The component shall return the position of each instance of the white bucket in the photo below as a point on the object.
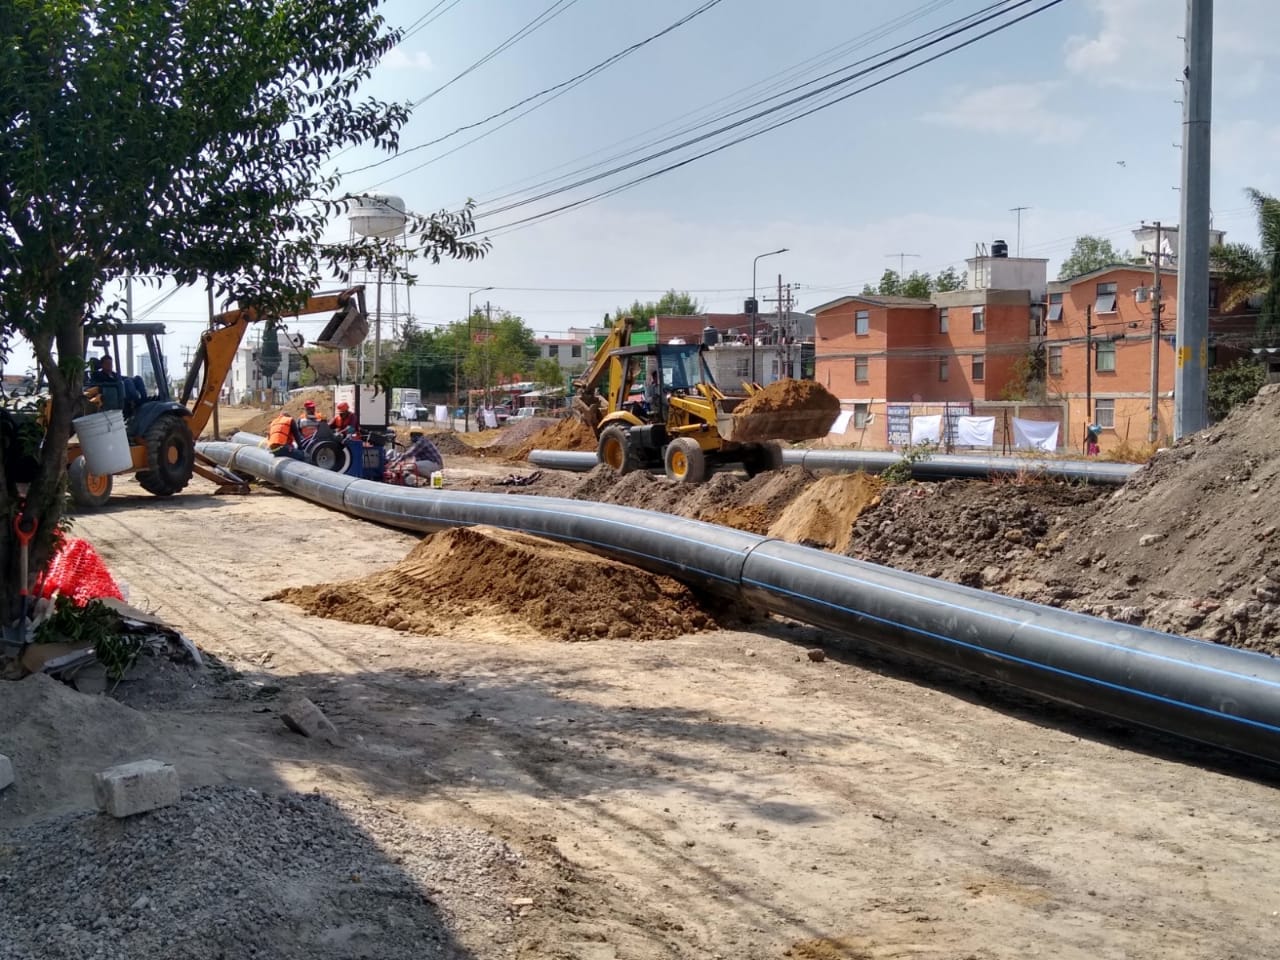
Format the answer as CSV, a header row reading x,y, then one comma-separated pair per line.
x,y
103,442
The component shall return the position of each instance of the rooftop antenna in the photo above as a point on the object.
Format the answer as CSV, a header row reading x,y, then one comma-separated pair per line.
x,y
1018,211
902,262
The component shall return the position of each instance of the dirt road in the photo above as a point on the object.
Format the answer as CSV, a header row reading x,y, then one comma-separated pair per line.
x,y
719,795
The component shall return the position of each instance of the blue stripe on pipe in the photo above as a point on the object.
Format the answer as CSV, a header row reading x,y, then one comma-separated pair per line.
x,y
1050,630
1016,659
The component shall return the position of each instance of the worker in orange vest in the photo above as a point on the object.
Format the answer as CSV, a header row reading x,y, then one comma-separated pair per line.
x,y
284,438
344,421
310,421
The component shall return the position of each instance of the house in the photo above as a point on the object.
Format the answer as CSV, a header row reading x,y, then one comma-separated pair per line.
x,y
783,344
569,352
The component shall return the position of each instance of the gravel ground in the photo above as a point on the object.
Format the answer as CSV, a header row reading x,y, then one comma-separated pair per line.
x,y
233,872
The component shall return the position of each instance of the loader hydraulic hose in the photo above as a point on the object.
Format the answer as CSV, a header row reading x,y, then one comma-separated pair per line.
x,y
1213,694
936,467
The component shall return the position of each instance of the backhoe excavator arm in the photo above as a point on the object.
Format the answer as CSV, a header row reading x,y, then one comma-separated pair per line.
x,y
218,345
603,367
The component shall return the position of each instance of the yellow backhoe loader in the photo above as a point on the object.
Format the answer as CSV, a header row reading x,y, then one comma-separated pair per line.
x,y
161,429
679,420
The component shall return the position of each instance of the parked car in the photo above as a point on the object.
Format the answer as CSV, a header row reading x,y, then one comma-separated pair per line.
x,y
525,413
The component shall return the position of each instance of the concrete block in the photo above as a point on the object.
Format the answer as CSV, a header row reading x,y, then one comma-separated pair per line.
x,y
6,771
136,787
304,717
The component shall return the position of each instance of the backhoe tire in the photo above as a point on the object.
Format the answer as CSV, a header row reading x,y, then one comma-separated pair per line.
x,y
329,455
89,491
171,456
684,461
759,458
615,449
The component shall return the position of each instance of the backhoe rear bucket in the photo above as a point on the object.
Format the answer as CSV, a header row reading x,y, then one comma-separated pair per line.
x,y
346,329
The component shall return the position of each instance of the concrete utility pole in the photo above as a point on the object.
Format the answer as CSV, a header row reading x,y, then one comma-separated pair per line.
x,y
128,314
1018,211
1153,433
1088,370
1191,382
217,433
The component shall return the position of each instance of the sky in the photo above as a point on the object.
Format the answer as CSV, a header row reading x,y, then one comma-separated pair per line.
x,y
1073,114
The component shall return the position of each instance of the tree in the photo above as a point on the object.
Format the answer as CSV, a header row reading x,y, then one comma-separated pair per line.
x,y
181,139
269,352
918,285
548,372
948,280
1233,385
499,348
670,304
1248,272
1089,253
890,284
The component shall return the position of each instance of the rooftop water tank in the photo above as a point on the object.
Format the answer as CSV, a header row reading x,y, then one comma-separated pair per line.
x,y
999,249
710,336
377,215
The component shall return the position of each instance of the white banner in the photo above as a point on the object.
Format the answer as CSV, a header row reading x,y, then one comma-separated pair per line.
x,y
926,429
976,431
1035,435
842,422
442,413
490,418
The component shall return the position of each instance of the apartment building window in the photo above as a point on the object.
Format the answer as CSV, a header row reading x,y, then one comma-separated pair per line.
x,y
979,320
773,368
979,368
944,368
553,350
1106,362
575,351
943,319
861,369
861,414
742,367
1106,301
862,323
1104,413
1055,361
1055,308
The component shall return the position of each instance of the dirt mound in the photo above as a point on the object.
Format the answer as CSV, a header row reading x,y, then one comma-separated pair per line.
x,y
567,434
787,395
824,514
57,737
557,591
1192,543
448,442
970,531
323,397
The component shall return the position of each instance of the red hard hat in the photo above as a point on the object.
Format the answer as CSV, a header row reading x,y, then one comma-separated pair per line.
x,y
309,405
343,406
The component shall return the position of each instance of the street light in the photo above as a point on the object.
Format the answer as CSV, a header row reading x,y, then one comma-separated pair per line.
x,y
466,424
755,305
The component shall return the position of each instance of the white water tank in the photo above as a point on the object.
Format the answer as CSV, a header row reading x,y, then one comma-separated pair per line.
x,y
377,215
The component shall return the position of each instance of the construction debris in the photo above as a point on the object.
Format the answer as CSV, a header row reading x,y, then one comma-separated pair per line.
x,y
133,788
304,717
6,772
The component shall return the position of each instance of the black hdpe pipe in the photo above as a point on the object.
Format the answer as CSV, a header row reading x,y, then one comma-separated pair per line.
x,y
935,467
1202,691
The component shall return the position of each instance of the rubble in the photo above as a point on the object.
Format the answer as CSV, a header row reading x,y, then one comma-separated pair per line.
x,y
304,717
132,788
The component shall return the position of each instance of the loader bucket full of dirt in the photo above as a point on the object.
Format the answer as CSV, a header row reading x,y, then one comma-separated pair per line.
x,y
346,329
784,410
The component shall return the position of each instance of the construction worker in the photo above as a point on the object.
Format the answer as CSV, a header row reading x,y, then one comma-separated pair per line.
x,y
344,421
284,438
310,421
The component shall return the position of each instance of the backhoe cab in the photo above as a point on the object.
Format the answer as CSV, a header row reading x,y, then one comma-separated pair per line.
x,y
162,429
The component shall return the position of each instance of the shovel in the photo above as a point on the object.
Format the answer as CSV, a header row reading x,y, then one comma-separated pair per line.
x,y
24,527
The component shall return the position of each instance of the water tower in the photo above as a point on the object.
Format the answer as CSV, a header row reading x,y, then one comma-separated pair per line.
x,y
381,216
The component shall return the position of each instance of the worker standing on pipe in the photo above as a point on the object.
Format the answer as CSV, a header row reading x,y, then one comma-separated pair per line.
x,y
344,421
284,438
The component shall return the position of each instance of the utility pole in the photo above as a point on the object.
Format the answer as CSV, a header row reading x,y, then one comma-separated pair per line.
x,y
1153,433
902,264
1018,211
128,313
1190,386
377,325
217,435
1088,369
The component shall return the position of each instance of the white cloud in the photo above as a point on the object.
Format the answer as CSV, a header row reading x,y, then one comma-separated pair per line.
x,y
1017,109
1137,47
397,59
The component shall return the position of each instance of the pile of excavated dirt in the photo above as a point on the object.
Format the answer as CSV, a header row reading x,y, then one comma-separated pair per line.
x,y
567,434
1192,543
52,734
449,443
973,532
825,513
233,872
787,395
557,591
323,397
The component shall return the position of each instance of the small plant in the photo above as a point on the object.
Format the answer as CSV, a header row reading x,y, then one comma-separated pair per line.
x,y
901,471
95,624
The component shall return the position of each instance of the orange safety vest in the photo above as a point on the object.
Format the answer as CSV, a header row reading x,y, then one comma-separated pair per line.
x,y
308,426
280,433
343,420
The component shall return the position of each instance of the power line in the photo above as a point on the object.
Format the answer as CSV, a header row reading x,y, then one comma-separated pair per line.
x,y
772,126
423,22
564,87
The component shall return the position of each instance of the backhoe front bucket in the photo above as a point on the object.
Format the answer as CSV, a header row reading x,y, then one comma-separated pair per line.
x,y
346,329
776,425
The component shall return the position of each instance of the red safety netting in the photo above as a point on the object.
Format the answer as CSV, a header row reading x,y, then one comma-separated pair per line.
x,y
76,571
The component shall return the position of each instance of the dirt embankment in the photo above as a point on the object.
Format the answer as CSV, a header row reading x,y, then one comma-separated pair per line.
x,y
555,591
323,397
